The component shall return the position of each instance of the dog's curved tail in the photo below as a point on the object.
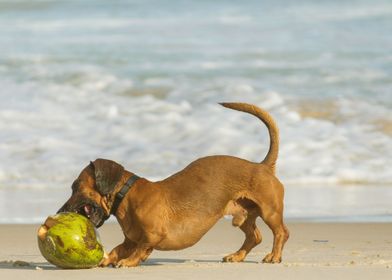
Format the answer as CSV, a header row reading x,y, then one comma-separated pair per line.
x,y
266,118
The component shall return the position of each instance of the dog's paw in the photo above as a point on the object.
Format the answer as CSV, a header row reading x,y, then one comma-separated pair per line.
x,y
271,258
127,263
107,262
235,257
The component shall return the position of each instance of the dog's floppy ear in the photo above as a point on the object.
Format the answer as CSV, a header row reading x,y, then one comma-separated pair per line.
x,y
107,174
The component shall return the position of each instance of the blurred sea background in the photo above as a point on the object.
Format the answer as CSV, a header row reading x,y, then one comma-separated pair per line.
x,y
138,82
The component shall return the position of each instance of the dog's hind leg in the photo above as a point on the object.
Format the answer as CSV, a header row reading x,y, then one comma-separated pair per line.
x,y
274,219
252,238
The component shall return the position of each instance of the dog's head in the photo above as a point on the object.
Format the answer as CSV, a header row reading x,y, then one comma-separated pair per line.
x,y
92,188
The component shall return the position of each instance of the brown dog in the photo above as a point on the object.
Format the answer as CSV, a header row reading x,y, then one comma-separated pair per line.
x,y
175,213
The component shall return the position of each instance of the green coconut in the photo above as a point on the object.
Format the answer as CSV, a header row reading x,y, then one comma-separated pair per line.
x,y
70,240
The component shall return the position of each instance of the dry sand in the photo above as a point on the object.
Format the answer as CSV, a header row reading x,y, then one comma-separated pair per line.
x,y
314,251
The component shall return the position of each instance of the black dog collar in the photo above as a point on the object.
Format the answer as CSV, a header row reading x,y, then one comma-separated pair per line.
x,y
121,194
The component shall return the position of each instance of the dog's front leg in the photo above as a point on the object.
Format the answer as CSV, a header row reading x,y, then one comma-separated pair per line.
x,y
139,254
118,253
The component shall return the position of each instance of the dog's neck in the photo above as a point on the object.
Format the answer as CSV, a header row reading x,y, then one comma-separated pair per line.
x,y
119,195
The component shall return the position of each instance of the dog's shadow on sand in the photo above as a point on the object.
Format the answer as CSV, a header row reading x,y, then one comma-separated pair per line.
x,y
23,265
166,261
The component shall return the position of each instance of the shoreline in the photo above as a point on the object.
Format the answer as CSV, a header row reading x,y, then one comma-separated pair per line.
x,y
314,250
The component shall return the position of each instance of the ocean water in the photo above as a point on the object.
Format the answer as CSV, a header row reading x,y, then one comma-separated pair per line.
x,y
139,82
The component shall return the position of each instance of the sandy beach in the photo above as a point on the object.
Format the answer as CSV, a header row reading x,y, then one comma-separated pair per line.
x,y
314,251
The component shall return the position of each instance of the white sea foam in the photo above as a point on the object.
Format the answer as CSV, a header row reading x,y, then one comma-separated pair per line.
x,y
50,133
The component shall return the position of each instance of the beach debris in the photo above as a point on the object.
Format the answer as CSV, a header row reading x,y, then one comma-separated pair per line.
x,y
70,240
320,240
